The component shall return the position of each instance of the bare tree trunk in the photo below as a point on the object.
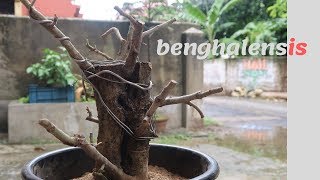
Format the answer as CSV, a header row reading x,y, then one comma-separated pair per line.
x,y
129,104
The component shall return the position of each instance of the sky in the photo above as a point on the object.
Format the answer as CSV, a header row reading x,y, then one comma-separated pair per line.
x,y
102,9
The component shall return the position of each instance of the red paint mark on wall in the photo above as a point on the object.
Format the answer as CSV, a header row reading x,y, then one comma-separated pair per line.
x,y
256,64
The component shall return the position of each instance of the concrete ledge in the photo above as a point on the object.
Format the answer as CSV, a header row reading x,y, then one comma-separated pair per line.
x,y
70,117
23,120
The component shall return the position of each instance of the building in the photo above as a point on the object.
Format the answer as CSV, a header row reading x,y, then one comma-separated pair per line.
x,y
62,8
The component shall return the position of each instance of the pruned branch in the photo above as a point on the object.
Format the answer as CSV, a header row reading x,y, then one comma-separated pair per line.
x,y
123,42
160,99
94,49
58,133
158,27
134,42
124,14
187,98
115,31
111,170
52,28
90,117
123,53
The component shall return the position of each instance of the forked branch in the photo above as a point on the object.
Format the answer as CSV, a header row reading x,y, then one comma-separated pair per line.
x,y
160,99
111,170
50,25
190,97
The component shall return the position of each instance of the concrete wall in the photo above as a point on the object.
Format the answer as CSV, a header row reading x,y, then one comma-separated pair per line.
x,y
214,73
23,120
267,73
23,124
22,41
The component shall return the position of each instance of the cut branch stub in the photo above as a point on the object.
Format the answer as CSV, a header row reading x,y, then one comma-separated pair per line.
x,y
134,42
158,27
115,31
90,117
135,46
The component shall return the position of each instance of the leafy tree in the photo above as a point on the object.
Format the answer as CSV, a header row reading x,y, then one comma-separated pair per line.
x,y
278,12
270,30
210,20
244,12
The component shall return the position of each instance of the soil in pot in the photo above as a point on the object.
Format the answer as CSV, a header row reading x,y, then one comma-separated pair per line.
x,y
159,173
154,173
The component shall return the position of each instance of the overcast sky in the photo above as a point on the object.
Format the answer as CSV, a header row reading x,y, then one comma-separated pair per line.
x,y
102,9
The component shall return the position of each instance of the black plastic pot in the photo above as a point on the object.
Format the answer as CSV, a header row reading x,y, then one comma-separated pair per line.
x,y
73,162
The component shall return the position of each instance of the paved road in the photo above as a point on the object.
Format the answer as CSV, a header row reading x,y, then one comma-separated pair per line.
x,y
246,113
235,165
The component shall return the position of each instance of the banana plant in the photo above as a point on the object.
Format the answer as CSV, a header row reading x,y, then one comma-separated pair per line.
x,y
209,21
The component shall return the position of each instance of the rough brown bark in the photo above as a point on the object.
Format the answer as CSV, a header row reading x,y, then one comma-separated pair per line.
x,y
129,104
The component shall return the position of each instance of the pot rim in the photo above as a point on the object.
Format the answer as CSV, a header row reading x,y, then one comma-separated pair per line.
x,y
212,171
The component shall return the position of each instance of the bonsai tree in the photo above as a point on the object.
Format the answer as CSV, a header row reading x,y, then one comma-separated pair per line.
x,y
122,92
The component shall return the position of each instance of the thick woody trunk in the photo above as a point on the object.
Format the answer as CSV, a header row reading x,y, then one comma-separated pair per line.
x,y
129,104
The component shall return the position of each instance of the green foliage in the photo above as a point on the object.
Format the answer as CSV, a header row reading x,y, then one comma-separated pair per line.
x,y
278,10
244,12
266,31
257,32
54,69
24,100
210,20
207,121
